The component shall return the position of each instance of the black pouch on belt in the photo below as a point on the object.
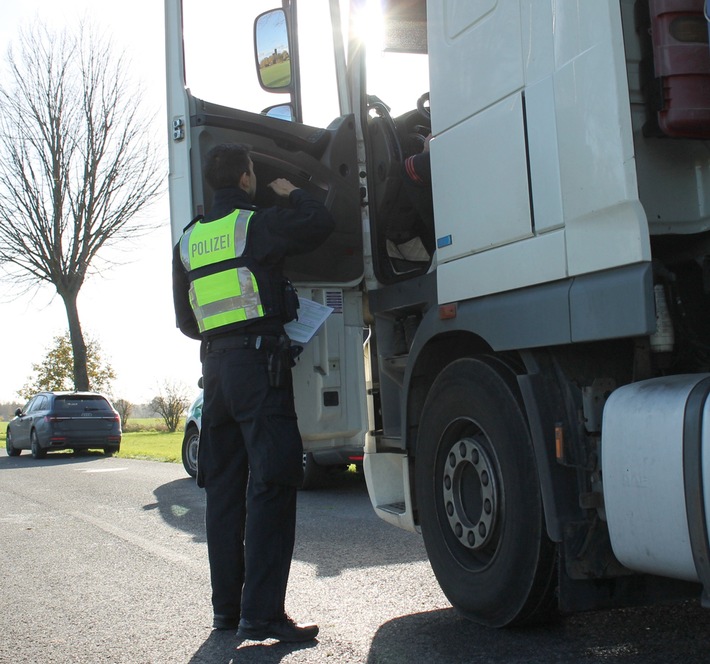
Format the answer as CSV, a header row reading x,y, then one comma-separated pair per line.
x,y
280,360
290,301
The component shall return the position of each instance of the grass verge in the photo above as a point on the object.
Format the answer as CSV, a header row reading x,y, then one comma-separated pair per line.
x,y
154,445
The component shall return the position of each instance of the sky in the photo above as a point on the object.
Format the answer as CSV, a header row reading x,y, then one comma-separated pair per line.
x,y
128,308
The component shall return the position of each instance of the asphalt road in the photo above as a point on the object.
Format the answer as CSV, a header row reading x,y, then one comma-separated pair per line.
x,y
104,561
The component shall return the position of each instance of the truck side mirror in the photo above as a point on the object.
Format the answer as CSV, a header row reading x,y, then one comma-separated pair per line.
x,y
273,51
281,112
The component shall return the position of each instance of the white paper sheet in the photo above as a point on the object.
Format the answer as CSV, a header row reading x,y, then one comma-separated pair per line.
x,y
311,315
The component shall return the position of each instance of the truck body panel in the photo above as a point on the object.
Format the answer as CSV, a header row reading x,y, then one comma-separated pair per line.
x,y
568,259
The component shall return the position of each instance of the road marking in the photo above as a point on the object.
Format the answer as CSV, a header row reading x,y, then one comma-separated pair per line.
x,y
100,470
198,566
140,541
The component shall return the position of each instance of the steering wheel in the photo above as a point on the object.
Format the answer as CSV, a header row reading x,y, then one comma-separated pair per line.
x,y
383,112
424,108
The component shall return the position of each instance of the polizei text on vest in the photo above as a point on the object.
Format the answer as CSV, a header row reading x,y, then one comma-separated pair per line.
x,y
209,245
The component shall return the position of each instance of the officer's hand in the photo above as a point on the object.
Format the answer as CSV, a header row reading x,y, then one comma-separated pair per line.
x,y
281,187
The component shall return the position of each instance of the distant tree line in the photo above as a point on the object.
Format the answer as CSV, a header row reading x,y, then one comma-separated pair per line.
x,y
54,373
135,411
7,410
274,59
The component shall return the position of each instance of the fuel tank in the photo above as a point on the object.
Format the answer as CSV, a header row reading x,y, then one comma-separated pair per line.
x,y
656,475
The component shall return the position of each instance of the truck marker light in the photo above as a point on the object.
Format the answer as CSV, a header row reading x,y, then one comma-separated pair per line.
x,y
447,311
559,443
445,241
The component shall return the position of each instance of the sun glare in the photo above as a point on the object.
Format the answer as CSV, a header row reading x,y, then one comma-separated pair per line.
x,y
368,27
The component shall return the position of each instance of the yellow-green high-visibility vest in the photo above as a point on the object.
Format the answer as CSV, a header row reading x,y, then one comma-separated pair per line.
x,y
223,291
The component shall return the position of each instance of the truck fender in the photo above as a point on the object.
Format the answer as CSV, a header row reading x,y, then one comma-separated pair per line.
x,y
543,402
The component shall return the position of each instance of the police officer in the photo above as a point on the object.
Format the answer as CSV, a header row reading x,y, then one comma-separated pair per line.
x,y
229,291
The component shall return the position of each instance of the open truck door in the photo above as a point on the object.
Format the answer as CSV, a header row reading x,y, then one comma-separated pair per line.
x,y
248,89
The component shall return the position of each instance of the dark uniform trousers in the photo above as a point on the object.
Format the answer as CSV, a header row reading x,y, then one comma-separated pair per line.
x,y
250,464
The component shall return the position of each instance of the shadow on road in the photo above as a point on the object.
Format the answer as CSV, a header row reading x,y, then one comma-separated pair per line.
x,y
181,505
330,533
648,635
338,529
226,648
58,458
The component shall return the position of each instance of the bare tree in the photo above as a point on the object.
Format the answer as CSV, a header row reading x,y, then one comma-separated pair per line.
x,y
124,409
170,404
76,164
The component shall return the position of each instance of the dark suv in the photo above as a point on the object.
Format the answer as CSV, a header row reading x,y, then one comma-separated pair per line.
x,y
64,420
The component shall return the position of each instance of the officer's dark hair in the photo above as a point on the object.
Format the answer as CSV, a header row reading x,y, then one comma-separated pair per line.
x,y
225,164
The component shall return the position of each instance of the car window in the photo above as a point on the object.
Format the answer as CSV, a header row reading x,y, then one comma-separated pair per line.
x,y
31,405
40,403
72,404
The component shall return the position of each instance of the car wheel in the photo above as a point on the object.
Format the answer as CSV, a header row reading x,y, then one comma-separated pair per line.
x,y
478,497
110,451
38,452
313,474
9,448
190,446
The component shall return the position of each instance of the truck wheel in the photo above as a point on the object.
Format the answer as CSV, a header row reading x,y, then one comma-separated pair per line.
x,y
479,499
190,445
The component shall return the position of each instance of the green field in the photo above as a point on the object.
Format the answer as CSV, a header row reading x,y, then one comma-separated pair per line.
x,y
276,76
146,438
154,445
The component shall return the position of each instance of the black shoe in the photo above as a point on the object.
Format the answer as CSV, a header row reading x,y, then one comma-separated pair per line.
x,y
285,630
222,621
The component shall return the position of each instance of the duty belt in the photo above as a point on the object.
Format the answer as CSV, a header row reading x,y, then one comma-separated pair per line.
x,y
252,341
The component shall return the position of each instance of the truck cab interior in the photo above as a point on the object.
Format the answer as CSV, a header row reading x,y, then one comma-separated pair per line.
x,y
401,211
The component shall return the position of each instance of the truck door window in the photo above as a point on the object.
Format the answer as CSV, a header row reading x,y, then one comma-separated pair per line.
x,y
397,61
220,64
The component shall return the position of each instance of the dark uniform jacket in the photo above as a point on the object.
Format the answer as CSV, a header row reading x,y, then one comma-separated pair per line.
x,y
274,233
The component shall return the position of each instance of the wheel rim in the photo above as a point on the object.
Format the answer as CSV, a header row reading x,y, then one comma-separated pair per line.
x,y
471,492
192,447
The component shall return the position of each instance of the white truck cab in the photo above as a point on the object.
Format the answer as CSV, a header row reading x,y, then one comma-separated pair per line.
x,y
533,384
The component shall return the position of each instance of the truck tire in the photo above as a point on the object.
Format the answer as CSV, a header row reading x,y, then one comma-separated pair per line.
x,y
479,499
190,445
